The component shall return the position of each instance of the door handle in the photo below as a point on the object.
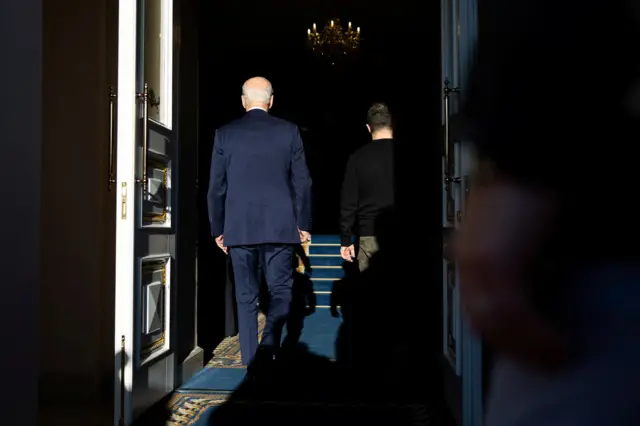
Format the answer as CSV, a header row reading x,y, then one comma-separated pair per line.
x,y
112,135
144,98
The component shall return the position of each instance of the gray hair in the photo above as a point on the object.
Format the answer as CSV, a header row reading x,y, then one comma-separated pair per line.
x,y
256,95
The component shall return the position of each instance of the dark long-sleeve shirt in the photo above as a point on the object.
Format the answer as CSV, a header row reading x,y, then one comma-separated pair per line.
x,y
367,189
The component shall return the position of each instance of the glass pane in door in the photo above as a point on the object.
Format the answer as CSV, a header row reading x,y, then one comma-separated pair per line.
x,y
158,59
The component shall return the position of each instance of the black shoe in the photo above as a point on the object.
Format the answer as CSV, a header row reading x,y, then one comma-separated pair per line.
x,y
262,361
264,354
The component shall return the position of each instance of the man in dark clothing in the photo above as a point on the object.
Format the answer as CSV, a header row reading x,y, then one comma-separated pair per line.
x,y
259,209
368,188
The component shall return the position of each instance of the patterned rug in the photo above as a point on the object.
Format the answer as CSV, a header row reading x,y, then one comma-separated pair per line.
x,y
227,354
201,407
193,409
186,408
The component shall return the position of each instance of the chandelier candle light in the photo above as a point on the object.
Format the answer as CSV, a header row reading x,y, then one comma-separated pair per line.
x,y
333,42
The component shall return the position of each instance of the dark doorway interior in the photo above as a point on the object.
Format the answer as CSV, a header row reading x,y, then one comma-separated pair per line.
x,y
399,63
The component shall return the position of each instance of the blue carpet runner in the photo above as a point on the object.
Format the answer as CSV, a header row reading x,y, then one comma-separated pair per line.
x,y
307,390
326,267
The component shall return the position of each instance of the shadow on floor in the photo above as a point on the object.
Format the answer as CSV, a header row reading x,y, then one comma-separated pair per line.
x,y
385,372
302,388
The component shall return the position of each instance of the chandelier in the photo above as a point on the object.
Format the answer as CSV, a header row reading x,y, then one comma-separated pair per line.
x,y
333,42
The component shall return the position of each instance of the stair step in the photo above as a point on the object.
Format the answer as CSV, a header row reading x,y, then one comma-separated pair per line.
x,y
325,272
326,261
323,286
325,239
323,299
324,250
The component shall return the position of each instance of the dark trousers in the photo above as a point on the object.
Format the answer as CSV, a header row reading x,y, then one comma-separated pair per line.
x,y
276,262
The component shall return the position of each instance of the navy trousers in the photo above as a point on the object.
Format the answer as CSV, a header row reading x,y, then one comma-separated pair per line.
x,y
276,262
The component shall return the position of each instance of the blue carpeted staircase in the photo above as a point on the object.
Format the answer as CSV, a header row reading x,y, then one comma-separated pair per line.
x,y
326,267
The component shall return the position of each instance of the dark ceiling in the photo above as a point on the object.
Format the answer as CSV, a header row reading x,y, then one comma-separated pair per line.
x,y
398,63
242,39
261,22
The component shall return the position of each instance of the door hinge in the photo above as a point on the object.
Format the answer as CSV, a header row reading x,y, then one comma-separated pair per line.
x,y
123,201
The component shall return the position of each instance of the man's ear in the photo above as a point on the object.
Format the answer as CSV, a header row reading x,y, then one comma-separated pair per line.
x,y
271,102
368,128
244,104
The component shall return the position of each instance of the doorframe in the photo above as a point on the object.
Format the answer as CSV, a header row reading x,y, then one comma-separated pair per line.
x,y
184,127
472,361
125,189
190,356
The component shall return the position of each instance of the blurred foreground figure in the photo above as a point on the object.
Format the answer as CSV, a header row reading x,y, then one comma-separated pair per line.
x,y
549,261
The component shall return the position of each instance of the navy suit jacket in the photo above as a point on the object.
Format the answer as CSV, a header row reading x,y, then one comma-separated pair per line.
x,y
260,188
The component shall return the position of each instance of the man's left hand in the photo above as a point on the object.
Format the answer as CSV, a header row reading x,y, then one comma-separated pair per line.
x,y
220,243
348,253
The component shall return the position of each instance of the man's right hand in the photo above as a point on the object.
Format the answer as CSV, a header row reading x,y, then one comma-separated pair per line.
x,y
220,243
348,253
304,236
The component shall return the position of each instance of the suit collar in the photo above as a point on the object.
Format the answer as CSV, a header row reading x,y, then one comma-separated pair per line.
x,y
256,111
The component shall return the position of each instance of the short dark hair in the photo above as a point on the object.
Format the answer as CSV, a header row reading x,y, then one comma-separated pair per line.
x,y
379,117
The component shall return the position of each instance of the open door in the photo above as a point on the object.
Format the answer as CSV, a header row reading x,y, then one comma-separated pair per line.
x,y
146,153
452,209
461,347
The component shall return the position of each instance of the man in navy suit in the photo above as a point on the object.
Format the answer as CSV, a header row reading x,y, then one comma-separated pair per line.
x,y
260,209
